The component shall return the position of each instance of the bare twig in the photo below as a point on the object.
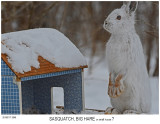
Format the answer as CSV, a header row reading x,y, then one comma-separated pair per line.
x,y
63,17
96,110
30,15
44,12
152,33
156,3
62,107
16,15
146,23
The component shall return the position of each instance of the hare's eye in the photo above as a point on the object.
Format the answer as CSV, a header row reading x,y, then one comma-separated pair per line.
x,y
118,17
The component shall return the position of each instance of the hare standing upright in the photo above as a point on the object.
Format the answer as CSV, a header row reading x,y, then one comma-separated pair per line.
x,y
129,87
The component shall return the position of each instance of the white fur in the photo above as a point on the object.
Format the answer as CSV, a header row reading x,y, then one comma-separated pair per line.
x,y
125,56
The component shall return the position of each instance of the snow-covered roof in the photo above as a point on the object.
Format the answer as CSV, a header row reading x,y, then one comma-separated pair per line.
x,y
24,50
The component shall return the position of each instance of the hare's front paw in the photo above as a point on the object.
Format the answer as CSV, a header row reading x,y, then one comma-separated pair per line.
x,y
110,110
117,88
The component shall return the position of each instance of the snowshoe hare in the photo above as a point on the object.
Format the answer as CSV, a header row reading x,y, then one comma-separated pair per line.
x,y
129,87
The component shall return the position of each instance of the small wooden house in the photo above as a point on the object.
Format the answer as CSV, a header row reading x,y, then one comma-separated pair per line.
x,y
21,91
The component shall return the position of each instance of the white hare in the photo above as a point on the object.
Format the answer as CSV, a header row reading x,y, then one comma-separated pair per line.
x,y
129,87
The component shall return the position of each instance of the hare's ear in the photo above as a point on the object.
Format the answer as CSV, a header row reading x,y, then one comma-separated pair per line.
x,y
133,6
130,6
126,2
125,6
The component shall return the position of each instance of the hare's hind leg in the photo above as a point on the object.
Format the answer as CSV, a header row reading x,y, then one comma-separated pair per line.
x,y
131,112
111,110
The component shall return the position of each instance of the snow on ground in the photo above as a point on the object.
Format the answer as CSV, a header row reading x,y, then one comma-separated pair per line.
x,y
24,47
95,88
155,95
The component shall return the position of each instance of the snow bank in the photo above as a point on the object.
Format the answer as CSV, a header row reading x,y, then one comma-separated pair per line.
x,y
24,47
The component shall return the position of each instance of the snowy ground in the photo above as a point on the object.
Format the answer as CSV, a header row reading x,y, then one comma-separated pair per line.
x,y
96,96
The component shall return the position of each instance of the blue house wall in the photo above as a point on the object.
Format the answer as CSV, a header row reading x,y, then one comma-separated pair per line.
x,y
36,91
9,91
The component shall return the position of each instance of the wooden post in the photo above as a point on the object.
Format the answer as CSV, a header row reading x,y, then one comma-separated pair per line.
x,y
83,97
17,81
